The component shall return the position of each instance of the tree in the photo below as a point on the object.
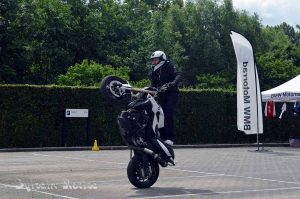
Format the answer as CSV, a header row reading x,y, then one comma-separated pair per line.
x,y
10,69
39,32
40,40
274,71
90,73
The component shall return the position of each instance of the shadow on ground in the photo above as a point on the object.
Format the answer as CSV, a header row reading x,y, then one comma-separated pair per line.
x,y
270,152
163,191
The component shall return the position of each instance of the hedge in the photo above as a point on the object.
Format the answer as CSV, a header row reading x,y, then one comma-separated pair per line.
x,y
34,116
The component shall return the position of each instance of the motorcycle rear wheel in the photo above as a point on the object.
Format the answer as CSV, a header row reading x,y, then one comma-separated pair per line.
x,y
142,179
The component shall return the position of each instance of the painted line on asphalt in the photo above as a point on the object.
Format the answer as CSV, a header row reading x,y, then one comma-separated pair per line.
x,y
222,192
184,170
39,154
192,171
81,182
75,158
125,179
21,187
228,175
11,163
294,159
203,176
165,177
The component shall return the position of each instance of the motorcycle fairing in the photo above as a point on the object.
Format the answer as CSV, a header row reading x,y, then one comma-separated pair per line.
x,y
158,116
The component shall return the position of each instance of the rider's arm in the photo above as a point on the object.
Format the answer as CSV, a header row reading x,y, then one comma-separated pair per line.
x,y
153,83
175,74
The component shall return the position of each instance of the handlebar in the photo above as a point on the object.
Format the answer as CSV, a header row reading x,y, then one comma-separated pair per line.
x,y
143,91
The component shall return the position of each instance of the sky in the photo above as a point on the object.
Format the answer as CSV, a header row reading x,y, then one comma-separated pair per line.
x,y
272,12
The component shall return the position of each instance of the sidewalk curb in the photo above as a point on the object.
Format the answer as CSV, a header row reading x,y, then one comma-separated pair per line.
x,y
85,148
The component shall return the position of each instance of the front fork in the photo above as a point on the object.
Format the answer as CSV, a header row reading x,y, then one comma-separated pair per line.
x,y
145,162
131,154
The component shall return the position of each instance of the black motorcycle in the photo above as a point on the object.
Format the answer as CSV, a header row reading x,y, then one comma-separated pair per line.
x,y
140,128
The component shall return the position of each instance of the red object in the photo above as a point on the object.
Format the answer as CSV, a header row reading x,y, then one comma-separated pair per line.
x,y
270,109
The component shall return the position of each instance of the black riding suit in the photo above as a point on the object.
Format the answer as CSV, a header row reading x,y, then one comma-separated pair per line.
x,y
167,73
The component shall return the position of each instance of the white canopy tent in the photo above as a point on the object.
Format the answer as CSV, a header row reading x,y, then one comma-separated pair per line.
x,y
286,92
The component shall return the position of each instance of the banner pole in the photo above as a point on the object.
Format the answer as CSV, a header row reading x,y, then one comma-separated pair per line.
x,y
257,135
257,114
257,141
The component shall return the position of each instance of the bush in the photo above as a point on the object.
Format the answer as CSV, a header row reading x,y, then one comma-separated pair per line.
x,y
141,84
90,73
33,116
217,81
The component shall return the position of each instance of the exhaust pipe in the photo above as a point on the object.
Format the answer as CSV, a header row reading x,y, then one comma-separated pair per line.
x,y
150,152
154,155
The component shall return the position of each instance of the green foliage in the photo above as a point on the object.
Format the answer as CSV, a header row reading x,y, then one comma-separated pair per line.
x,y
279,62
202,116
50,41
274,71
142,83
215,81
41,121
40,40
90,73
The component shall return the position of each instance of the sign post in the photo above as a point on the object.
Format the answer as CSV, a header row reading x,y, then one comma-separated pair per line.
x,y
77,113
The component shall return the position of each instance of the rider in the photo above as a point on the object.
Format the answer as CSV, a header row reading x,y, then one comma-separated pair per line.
x,y
165,78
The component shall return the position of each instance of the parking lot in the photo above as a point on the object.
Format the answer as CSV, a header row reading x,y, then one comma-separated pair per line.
x,y
199,173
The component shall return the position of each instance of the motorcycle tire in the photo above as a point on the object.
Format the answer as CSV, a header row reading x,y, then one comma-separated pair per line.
x,y
111,94
134,172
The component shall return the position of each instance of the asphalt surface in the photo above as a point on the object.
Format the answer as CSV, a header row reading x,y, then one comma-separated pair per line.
x,y
199,173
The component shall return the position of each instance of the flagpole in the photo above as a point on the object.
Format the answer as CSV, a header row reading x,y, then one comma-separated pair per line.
x,y
257,113
243,50
257,140
257,135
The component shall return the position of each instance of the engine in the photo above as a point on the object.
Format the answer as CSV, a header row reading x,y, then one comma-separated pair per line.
x,y
132,124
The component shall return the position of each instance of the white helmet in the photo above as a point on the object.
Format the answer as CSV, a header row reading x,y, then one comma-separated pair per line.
x,y
162,57
159,54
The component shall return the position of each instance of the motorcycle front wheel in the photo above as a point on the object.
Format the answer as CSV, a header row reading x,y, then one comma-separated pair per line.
x,y
110,88
142,175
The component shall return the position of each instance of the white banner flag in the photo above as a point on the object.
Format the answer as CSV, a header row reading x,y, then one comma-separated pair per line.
x,y
249,110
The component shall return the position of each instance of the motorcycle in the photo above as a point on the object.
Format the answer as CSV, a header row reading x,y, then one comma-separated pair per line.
x,y
140,128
